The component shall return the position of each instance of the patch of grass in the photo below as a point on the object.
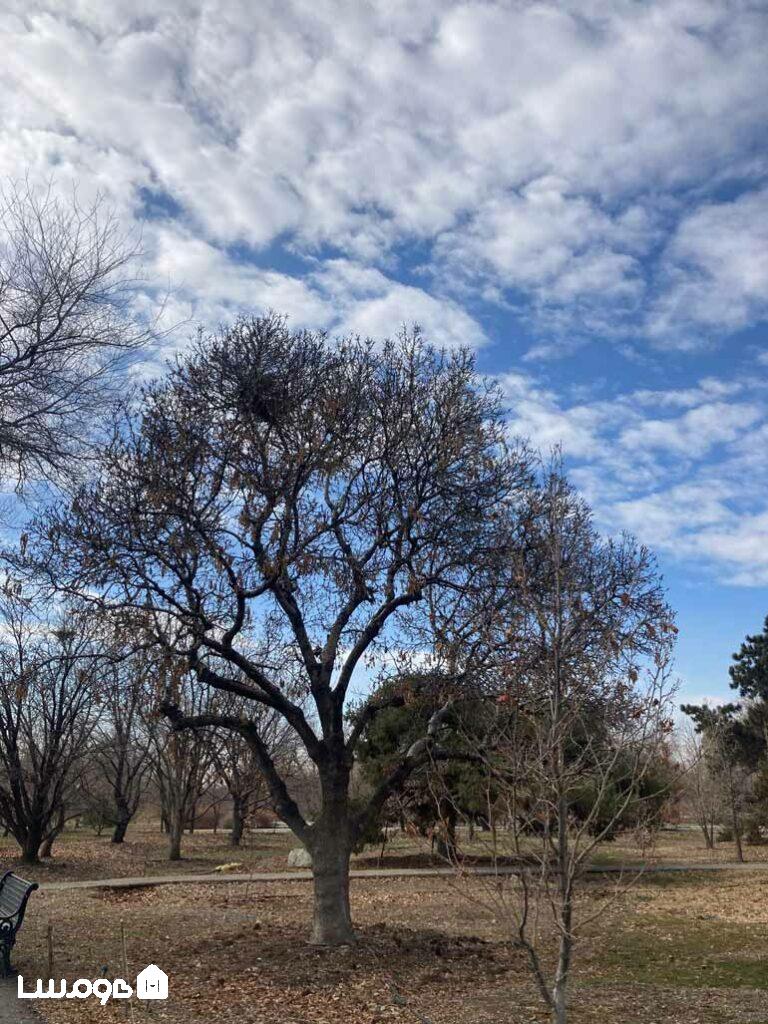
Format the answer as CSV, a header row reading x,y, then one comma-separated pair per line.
x,y
692,953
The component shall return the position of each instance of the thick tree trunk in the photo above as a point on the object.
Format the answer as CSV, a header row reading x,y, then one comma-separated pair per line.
x,y
175,832
30,847
123,820
120,829
332,920
238,821
46,846
739,848
331,847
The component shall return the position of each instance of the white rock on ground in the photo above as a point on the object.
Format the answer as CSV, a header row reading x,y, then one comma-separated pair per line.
x,y
298,857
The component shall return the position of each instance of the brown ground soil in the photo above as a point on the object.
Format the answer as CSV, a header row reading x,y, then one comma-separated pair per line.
x,y
688,948
676,948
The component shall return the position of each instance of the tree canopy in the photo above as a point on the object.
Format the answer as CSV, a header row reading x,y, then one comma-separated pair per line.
x,y
282,508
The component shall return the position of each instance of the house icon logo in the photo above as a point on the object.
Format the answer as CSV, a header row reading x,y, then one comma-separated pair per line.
x,y
152,983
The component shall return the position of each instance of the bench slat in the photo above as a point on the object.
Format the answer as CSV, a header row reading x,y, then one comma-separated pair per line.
x,y
13,892
14,896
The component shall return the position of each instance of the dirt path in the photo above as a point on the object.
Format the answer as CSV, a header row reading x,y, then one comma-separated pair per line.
x,y
306,876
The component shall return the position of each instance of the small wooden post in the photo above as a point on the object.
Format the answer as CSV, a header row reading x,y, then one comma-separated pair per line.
x,y
49,939
125,960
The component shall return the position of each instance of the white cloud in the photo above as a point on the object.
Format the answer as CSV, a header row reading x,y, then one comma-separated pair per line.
x,y
536,414
716,270
543,150
695,432
565,160
366,302
208,287
686,470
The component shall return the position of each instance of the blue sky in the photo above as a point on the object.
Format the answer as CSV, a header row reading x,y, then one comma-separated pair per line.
x,y
577,190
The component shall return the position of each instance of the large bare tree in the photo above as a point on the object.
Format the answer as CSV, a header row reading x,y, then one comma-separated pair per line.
x,y
65,324
285,504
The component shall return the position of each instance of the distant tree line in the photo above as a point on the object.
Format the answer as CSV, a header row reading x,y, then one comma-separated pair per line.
x,y
727,754
81,740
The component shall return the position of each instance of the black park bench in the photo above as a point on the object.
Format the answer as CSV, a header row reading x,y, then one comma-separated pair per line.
x,y
14,893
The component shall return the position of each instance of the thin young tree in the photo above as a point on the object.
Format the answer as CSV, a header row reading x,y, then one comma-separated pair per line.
x,y
728,742
582,639
65,325
287,501
703,786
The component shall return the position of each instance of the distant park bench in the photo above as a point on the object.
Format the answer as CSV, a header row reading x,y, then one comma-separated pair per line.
x,y
14,893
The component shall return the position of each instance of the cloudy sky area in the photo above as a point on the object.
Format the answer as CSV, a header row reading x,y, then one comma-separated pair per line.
x,y
578,190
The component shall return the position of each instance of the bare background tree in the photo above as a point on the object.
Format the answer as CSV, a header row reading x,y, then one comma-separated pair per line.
x,y
122,742
237,767
48,711
722,733
703,785
65,326
182,762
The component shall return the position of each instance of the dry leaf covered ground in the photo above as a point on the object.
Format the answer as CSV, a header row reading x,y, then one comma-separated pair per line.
x,y
684,948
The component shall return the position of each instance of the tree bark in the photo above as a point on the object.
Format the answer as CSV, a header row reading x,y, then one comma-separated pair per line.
x,y
735,819
739,847
121,826
238,821
46,846
175,832
30,847
560,988
330,844
332,919
709,839
120,829
565,951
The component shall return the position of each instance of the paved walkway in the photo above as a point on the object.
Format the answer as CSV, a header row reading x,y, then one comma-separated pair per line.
x,y
12,1009
306,876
